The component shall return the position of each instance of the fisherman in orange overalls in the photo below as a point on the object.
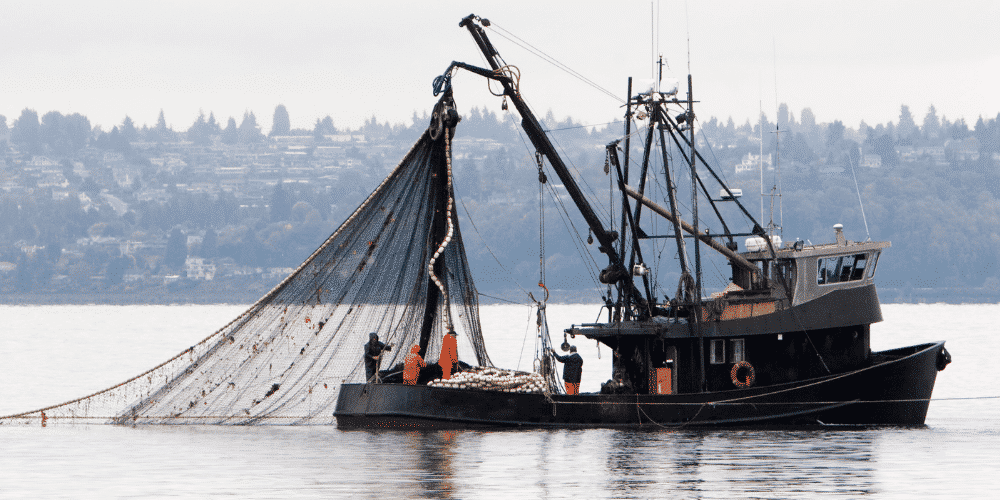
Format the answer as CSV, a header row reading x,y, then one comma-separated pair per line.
x,y
572,371
412,365
449,354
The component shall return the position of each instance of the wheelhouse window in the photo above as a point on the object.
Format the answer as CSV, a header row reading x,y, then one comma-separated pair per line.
x,y
871,268
785,270
736,351
830,270
717,352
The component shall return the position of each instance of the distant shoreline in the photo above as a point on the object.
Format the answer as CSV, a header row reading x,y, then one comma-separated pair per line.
x,y
233,297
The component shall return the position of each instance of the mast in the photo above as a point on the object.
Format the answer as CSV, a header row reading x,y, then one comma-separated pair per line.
x,y
696,312
625,204
760,160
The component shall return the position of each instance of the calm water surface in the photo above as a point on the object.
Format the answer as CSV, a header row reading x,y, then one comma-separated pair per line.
x,y
49,354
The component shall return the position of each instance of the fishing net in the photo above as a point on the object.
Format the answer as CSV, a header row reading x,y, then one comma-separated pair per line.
x,y
396,266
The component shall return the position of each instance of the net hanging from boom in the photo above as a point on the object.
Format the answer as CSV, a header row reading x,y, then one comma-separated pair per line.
x,y
397,267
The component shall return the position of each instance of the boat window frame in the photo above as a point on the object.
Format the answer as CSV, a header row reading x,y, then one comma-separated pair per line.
x,y
844,271
871,268
717,351
737,346
855,276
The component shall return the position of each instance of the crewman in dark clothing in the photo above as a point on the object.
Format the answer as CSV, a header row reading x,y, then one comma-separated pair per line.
x,y
572,370
373,354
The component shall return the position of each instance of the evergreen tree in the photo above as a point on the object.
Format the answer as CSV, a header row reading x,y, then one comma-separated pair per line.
x,y
161,133
249,131
115,140
64,135
958,129
161,122
982,133
807,119
932,128
231,135
281,123
78,131
26,132
128,131
907,128
318,131
834,134
783,116
51,131
199,132
213,126
323,127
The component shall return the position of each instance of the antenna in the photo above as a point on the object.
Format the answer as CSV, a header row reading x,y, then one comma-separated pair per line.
x,y
777,144
856,188
658,39
687,26
760,159
652,42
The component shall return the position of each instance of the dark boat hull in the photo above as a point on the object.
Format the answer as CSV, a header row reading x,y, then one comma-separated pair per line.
x,y
895,390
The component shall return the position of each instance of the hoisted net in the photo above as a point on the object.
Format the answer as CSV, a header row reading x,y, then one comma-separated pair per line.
x,y
283,360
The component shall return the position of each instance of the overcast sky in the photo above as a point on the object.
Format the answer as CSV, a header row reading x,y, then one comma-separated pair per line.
x,y
847,60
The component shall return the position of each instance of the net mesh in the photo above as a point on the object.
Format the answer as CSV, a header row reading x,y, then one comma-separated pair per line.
x,y
282,361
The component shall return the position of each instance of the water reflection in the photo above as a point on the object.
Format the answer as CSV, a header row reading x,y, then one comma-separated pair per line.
x,y
621,463
740,463
435,453
628,471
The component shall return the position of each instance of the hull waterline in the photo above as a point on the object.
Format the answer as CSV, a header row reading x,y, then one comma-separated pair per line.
x,y
895,390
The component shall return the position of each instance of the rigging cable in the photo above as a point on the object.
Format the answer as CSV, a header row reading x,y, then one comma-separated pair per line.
x,y
488,249
580,126
858,189
579,175
567,221
541,220
551,60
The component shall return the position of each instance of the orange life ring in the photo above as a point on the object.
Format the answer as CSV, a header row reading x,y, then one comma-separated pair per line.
x,y
748,381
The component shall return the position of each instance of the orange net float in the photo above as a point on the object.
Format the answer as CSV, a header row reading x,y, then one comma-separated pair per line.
x,y
734,374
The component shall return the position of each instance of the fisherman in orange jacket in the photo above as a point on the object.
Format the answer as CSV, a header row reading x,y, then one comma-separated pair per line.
x,y
449,354
412,365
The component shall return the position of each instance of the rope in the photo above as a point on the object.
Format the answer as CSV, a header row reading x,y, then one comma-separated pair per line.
x,y
500,299
447,238
731,402
510,71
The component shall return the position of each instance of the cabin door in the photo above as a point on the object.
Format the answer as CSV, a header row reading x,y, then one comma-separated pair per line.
x,y
663,376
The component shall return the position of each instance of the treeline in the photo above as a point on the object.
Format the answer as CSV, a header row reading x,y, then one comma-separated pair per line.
x,y
943,217
65,135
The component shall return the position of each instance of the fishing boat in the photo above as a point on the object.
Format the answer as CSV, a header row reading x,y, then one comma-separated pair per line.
x,y
787,342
